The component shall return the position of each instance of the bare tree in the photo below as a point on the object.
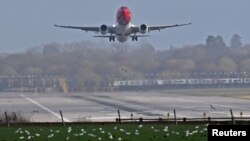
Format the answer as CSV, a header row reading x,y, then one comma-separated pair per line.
x,y
235,41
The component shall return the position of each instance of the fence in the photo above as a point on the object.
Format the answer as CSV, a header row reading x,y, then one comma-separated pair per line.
x,y
12,119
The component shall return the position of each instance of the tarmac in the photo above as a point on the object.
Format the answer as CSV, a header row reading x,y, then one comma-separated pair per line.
x,y
103,106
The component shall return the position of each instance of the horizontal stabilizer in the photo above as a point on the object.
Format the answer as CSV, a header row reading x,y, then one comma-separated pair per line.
x,y
104,36
140,35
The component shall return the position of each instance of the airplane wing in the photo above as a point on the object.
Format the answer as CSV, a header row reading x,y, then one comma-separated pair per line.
x,y
136,29
111,29
94,29
151,28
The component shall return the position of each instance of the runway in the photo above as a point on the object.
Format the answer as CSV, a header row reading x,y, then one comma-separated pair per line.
x,y
101,106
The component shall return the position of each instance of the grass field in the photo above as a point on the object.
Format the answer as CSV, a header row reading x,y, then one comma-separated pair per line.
x,y
111,132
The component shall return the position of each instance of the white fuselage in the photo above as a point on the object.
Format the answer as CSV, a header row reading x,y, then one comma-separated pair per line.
x,y
123,24
123,32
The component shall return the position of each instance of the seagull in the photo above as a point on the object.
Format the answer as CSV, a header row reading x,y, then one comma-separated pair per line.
x,y
212,107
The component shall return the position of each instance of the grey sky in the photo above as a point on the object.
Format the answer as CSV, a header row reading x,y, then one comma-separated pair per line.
x,y
27,23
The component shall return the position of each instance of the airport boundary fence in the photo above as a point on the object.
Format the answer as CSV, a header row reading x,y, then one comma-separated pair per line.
x,y
14,119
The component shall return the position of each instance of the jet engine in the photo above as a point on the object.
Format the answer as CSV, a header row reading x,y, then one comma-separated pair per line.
x,y
143,28
103,29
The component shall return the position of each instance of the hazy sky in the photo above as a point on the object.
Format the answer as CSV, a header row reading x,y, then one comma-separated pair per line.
x,y
27,23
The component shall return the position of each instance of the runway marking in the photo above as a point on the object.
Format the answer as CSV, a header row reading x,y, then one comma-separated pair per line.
x,y
176,99
214,104
133,106
45,108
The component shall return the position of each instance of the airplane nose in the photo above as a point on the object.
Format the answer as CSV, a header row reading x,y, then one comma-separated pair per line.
x,y
124,16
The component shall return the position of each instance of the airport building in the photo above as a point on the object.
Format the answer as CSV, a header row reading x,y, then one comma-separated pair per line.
x,y
43,84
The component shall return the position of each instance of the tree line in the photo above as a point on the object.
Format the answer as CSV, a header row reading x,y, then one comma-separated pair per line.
x,y
88,64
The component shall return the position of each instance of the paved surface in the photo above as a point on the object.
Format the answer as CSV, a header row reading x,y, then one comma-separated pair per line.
x,y
103,106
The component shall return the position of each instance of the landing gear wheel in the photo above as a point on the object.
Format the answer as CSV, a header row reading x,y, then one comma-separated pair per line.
x,y
112,38
134,38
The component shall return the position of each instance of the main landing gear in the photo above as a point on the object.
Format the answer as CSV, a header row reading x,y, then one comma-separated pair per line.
x,y
134,38
112,38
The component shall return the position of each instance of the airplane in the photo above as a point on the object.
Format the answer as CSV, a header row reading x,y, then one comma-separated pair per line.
x,y
123,29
